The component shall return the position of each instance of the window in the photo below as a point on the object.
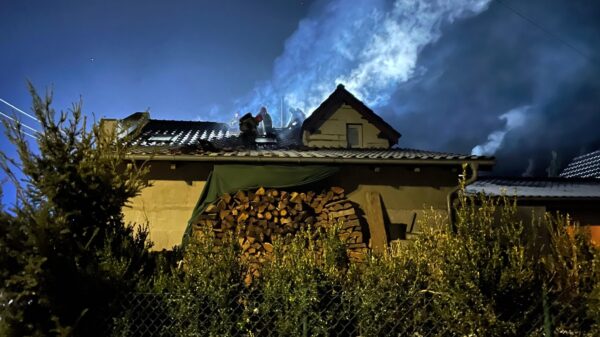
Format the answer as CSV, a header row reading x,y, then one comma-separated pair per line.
x,y
354,135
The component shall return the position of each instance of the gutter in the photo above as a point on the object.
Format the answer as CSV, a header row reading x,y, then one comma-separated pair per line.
x,y
475,170
474,163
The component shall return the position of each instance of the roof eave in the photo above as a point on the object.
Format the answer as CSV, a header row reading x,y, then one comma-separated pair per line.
x,y
483,163
540,198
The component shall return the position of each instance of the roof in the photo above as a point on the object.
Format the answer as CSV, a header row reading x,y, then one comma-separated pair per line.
x,y
585,166
305,155
342,96
214,142
171,133
522,187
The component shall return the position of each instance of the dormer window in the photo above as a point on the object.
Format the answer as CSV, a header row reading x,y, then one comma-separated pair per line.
x,y
354,135
343,121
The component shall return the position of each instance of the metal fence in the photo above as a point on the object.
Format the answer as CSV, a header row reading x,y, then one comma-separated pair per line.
x,y
329,313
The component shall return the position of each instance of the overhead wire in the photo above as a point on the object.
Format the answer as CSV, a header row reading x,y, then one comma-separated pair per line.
x,y
21,123
19,110
545,30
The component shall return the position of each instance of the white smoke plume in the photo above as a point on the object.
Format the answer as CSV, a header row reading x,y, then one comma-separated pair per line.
x,y
514,118
371,46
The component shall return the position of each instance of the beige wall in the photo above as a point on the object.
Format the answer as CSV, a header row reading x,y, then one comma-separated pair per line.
x,y
332,132
167,204
405,190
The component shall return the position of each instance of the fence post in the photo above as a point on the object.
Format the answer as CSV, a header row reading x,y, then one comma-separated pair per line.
x,y
546,308
304,327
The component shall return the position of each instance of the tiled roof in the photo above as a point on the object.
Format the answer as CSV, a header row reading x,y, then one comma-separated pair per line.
x,y
209,141
536,187
309,155
586,166
179,133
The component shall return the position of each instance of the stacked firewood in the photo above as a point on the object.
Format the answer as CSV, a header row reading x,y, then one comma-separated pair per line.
x,y
257,217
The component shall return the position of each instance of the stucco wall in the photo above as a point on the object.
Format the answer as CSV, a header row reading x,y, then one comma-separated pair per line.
x,y
332,132
406,191
167,204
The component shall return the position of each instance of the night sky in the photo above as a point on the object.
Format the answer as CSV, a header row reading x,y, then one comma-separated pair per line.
x,y
514,79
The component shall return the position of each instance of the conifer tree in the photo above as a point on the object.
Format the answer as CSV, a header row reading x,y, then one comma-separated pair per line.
x,y
66,253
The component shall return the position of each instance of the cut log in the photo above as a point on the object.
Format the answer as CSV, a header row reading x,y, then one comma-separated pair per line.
x,y
337,190
338,214
268,247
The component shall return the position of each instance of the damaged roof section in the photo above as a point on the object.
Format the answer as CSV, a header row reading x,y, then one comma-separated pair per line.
x,y
179,133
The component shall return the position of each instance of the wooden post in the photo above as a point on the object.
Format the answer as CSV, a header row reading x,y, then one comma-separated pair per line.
x,y
374,214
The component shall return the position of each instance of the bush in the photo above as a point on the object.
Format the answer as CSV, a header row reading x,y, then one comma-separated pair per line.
x,y
495,275
491,274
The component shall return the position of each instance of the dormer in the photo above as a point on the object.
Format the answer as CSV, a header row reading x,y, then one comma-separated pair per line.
x,y
343,121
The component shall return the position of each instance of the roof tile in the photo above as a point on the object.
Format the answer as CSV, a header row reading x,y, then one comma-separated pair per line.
x,y
585,166
536,187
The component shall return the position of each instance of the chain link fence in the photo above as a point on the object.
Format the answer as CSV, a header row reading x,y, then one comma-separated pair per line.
x,y
329,313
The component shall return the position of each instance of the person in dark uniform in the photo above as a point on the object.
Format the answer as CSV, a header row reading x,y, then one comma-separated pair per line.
x,y
264,116
248,129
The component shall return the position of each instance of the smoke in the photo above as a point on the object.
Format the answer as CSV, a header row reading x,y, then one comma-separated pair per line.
x,y
530,168
371,46
491,63
447,74
514,118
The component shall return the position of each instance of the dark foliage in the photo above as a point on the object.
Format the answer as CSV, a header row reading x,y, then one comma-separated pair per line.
x,y
66,251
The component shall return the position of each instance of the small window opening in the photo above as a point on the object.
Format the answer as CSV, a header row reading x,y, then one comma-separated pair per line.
x,y
354,135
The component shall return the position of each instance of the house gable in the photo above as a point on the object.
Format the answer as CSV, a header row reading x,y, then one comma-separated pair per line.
x,y
343,121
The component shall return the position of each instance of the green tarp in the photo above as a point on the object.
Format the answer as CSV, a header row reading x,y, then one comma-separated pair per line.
x,y
232,178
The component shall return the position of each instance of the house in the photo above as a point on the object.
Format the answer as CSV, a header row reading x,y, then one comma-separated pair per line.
x,y
576,192
343,137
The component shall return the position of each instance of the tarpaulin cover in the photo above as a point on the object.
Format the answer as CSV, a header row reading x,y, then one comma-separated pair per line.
x,y
232,178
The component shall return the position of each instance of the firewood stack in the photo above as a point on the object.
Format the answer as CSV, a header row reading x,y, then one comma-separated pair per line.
x,y
257,217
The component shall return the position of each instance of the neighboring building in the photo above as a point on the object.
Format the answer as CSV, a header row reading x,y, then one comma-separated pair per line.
x,y
585,166
341,133
578,197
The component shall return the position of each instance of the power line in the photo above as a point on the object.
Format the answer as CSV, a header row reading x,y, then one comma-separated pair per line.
x,y
19,110
25,125
545,30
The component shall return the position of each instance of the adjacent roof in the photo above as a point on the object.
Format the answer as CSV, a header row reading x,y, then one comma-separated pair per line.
x,y
522,187
342,96
586,166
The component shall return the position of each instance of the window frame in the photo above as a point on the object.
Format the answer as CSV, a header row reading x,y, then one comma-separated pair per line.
x,y
359,128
